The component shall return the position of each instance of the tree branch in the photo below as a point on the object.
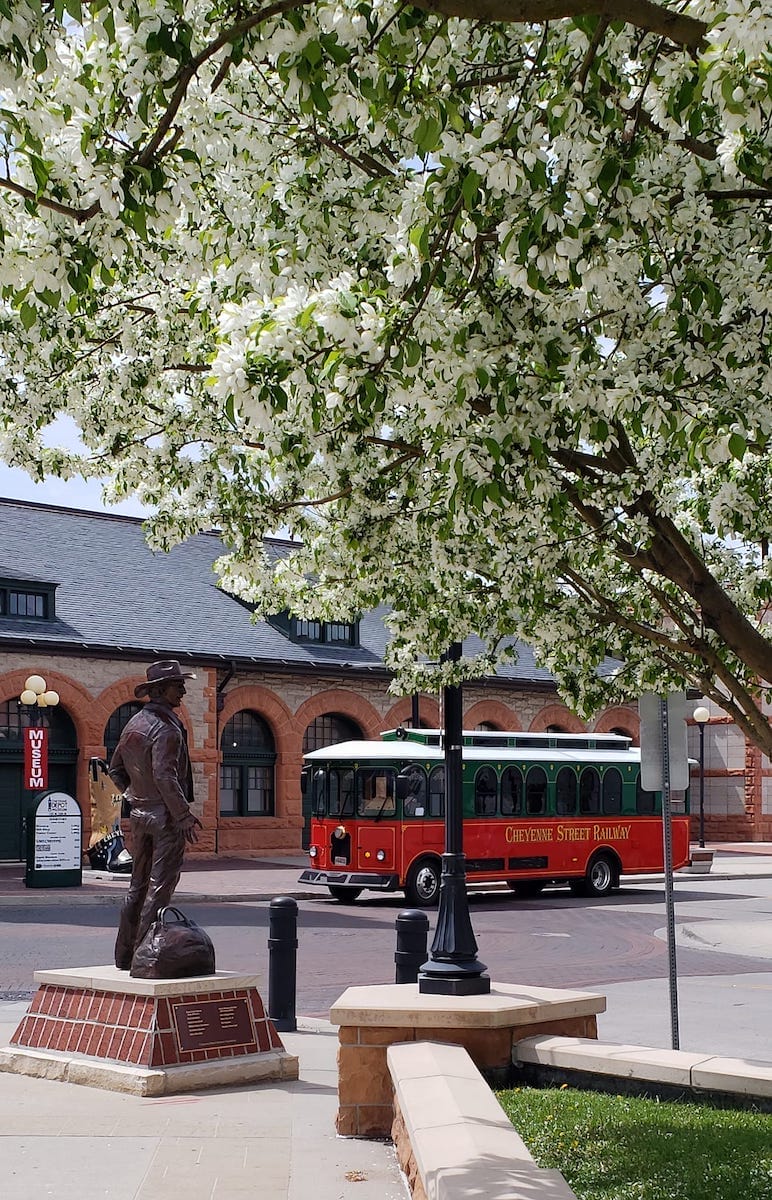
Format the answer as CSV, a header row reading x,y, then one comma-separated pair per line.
x,y
78,214
643,14
670,556
190,70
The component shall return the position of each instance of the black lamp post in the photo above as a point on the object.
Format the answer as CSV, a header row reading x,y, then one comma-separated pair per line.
x,y
701,716
452,968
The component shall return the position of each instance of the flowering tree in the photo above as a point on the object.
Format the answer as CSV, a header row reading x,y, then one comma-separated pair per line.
x,y
470,296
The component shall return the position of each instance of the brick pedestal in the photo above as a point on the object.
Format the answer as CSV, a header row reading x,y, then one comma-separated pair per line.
x,y
371,1019
98,1026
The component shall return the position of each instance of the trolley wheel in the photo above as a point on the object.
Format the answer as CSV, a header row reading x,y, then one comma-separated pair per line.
x,y
601,877
422,886
525,888
344,895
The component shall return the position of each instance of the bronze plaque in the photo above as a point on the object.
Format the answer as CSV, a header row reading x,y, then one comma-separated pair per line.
x,y
205,1024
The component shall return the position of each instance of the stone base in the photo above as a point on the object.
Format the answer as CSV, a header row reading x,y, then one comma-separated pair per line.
x,y
371,1019
98,1026
700,862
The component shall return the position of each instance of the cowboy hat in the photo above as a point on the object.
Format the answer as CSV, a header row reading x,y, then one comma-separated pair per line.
x,y
168,670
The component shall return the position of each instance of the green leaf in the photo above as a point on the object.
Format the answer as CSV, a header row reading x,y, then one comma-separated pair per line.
x,y
427,134
41,170
470,188
319,97
737,446
419,238
28,315
312,53
608,175
138,220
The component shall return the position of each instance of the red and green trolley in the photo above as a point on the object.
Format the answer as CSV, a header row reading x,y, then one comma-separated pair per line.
x,y
538,809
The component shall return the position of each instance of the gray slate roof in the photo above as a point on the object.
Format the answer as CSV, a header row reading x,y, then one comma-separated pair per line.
x,y
115,593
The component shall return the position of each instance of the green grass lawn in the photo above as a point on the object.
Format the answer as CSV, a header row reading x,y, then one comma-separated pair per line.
x,y
626,1148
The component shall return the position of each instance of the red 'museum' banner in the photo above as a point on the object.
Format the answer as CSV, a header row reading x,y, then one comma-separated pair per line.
x,y
36,758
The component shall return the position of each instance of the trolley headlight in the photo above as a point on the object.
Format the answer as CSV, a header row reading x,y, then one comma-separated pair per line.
x,y
313,852
339,831
381,855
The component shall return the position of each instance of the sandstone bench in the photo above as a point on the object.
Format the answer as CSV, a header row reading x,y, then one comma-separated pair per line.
x,y
452,1137
581,1061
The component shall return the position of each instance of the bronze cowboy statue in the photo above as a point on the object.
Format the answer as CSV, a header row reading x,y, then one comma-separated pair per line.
x,y
151,763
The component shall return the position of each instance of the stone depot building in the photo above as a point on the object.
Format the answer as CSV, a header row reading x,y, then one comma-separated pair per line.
x,y
86,604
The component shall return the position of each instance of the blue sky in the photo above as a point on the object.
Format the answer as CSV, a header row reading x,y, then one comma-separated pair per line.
x,y
85,494
74,493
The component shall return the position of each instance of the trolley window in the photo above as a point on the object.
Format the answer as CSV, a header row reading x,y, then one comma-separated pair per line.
x,y
437,792
341,793
375,792
512,792
566,792
536,791
319,793
589,791
612,791
413,789
485,792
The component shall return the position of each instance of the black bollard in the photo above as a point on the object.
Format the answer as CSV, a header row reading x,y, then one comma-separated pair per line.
x,y
412,932
282,962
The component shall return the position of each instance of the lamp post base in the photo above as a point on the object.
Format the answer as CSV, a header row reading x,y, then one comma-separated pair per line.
x,y
464,985
452,968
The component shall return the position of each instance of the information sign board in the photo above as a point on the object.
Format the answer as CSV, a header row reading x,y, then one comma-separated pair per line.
x,y
54,842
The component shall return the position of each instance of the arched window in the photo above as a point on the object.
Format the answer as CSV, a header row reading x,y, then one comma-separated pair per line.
x,y
115,726
612,791
645,802
14,717
536,791
512,792
487,727
328,729
10,721
589,792
437,792
247,771
485,792
565,792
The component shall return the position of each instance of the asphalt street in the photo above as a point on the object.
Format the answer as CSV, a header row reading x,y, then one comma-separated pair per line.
x,y
616,945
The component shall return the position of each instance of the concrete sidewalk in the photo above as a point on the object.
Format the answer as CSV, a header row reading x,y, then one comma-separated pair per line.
x,y
262,879
275,1141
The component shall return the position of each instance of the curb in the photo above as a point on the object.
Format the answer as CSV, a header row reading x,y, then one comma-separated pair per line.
x,y
26,897
114,893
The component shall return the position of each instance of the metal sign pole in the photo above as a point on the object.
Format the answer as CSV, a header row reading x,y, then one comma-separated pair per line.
x,y
667,838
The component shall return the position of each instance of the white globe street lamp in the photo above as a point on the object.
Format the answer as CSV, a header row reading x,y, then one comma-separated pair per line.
x,y
37,695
